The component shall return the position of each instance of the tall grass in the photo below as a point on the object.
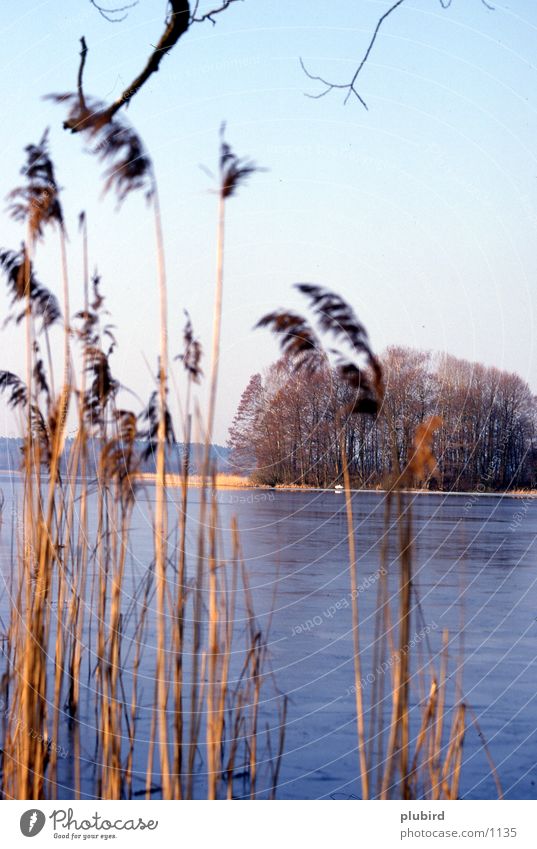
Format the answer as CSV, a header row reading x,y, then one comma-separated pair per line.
x,y
183,717
81,625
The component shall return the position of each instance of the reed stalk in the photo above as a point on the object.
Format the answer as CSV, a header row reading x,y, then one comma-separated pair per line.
x,y
161,514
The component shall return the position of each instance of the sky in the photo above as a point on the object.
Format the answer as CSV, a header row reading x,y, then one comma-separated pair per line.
x,y
420,211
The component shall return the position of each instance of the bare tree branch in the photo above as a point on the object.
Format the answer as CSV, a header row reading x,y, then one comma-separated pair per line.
x,y
331,86
178,22
83,55
209,16
176,26
350,87
447,3
107,13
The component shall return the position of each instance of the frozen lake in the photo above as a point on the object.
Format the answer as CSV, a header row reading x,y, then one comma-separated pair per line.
x,y
475,569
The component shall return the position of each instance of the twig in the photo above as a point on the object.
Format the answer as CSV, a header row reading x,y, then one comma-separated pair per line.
x,y
83,55
209,16
106,13
350,87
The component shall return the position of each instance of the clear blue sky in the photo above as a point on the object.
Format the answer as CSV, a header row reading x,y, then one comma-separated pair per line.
x,y
420,211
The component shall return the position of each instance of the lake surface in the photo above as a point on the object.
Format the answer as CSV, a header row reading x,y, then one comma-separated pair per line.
x,y
475,570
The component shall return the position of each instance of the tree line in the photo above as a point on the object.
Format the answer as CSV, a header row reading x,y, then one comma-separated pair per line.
x,y
291,427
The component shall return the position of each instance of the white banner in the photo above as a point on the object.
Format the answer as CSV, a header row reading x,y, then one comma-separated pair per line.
x,y
274,825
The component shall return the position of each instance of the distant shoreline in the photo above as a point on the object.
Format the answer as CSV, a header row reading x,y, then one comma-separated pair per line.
x,y
222,481
227,481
